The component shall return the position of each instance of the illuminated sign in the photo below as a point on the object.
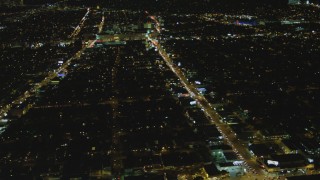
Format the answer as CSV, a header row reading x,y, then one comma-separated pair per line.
x,y
183,95
270,162
4,120
202,89
310,160
62,75
193,102
237,163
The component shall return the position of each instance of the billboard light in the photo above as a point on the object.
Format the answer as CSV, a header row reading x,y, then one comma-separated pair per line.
x,y
193,102
270,162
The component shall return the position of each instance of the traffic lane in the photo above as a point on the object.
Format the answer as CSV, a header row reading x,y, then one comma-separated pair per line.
x,y
229,135
226,132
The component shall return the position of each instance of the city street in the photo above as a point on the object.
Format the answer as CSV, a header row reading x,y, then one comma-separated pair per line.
x,y
51,75
243,153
